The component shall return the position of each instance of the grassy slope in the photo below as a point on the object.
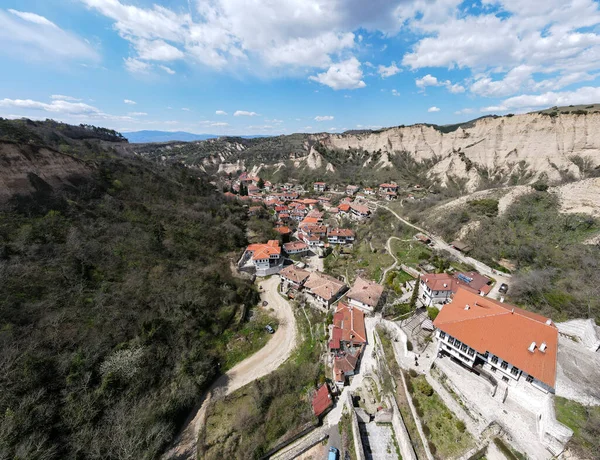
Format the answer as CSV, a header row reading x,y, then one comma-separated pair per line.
x,y
585,423
250,421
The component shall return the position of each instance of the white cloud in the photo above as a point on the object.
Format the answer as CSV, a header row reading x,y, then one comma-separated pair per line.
x,y
514,46
73,112
433,109
30,36
220,112
324,117
137,114
307,128
464,111
430,80
32,17
167,69
219,124
343,75
395,93
388,71
157,50
61,97
244,113
129,101
185,109
584,95
136,66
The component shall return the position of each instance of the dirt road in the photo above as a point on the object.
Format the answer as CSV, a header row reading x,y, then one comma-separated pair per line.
x,y
277,350
441,244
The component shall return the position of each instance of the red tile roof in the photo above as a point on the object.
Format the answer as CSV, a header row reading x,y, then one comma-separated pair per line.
x,y
346,232
295,246
283,230
324,286
504,330
321,400
351,322
264,251
344,207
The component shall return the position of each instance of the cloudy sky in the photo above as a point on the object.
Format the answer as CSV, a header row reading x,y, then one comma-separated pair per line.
x,y
282,66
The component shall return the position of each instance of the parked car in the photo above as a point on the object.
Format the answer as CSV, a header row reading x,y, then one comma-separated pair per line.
x,y
333,454
503,288
270,329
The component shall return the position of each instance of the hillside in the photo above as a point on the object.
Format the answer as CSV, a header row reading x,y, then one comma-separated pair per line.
x,y
115,296
489,151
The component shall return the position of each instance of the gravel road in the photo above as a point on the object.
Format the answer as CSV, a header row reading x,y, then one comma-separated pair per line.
x,y
277,350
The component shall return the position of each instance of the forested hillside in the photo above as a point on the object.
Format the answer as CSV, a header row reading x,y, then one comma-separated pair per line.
x,y
114,293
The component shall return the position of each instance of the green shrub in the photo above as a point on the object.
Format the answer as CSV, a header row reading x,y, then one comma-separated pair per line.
x,y
413,373
426,430
432,448
432,312
460,426
423,386
409,345
540,186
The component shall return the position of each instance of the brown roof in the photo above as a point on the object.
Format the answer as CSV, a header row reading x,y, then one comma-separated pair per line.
x,y
478,281
388,185
367,292
325,286
294,246
345,207
439,281
360,208
504,330
340,232
295,274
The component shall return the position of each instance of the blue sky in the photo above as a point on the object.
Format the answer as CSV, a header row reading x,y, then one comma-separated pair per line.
x,y
283,66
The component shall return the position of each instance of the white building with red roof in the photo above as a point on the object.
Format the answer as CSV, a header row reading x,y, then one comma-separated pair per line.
x,y
320,186
340,236
517,346
438,288
264,258
324,289
348,339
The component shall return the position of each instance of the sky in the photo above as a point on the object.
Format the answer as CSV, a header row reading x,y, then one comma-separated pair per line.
x,y
283,66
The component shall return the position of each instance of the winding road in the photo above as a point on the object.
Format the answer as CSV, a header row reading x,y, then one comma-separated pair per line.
x,y
277,350
439,243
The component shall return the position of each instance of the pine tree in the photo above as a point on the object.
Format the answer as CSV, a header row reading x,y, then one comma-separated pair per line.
x,y
415,294
261,183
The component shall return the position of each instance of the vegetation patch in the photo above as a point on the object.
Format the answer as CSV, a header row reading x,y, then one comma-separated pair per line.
x,y
253,419
585,423
445,432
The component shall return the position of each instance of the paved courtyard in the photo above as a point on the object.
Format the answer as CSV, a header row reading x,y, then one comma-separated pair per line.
x,y
378,441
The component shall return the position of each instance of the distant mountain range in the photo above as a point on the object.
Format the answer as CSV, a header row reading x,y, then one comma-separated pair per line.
x,y
140,137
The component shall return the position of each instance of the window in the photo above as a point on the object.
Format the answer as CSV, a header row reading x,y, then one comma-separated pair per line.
x,y
504,365
493,369
442,335
505,378
494,360
451,341
471,352
463,347
514,371
457,343
487,353
529,379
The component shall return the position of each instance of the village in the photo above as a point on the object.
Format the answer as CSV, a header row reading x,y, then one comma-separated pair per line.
x,y
492,367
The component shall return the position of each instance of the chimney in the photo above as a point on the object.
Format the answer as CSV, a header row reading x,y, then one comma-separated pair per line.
x,y
502,301
531,347
548,322
543,347
445,285
467,307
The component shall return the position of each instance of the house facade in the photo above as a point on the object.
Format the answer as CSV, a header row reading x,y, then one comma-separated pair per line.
x,y
340,236
296,248
324,289
319,186
292,277
264,258
365,295
513,345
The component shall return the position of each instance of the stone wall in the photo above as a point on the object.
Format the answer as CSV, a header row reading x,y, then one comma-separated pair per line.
x,y
406,449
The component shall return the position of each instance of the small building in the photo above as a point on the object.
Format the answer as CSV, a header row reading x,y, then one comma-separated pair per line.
x,y
359,211
348,329
296,248
460,246
322,401
284,231
324,289
390,196
519,346
352,189
436,288
253,190
369,191
265,258
344,208
320,186
293,277
385,188
365,295
340,236
422,238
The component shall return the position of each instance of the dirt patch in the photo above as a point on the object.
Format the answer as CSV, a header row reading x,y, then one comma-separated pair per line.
x,y
579,197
